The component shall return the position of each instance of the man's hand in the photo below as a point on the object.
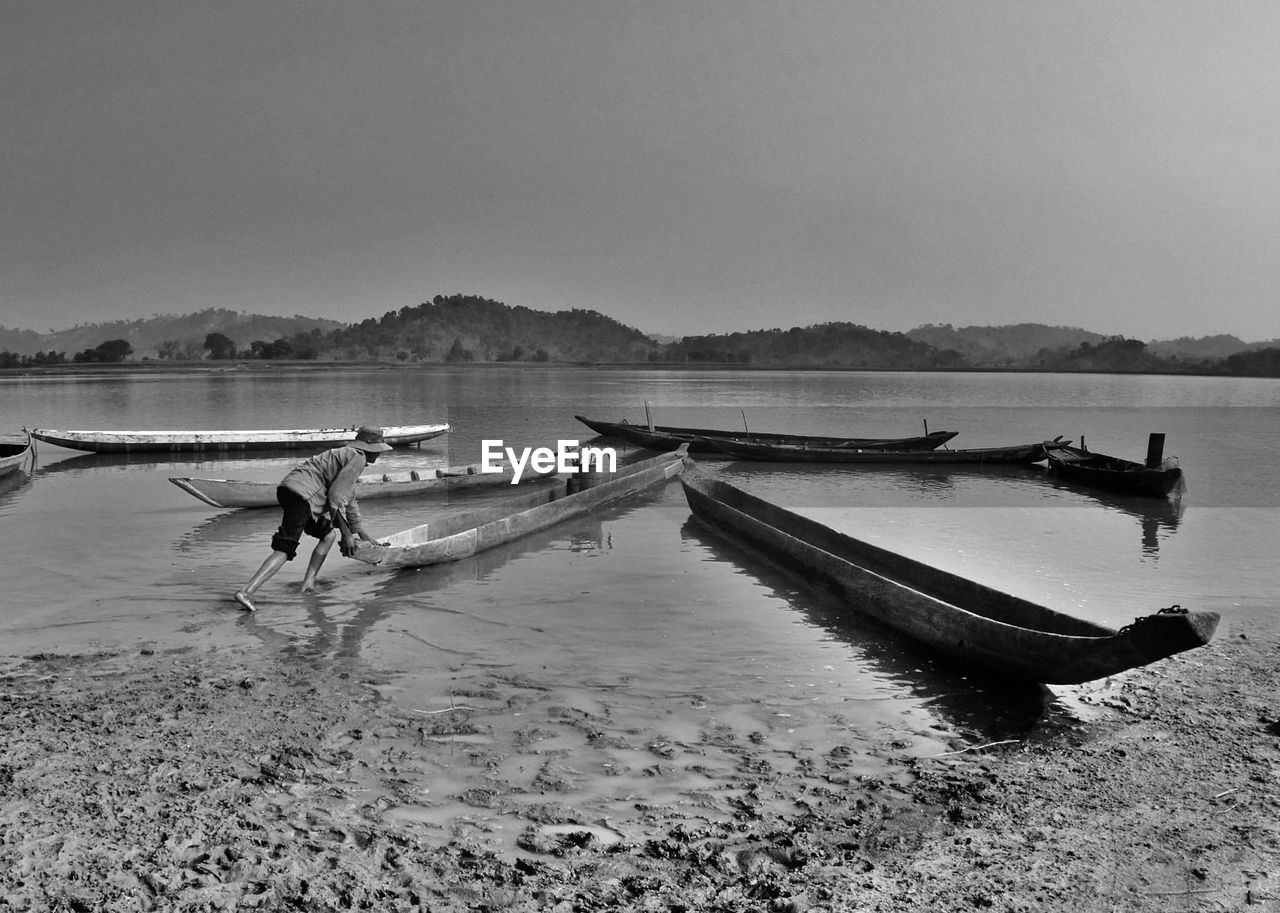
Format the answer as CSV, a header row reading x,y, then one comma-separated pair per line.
x,y
347,545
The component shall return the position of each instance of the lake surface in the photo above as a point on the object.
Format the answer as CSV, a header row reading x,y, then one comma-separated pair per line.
x,y
635,612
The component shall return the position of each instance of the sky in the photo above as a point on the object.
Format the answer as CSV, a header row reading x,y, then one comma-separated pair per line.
x,y
685,167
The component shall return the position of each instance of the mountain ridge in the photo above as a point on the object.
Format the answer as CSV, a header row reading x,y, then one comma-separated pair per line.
x,y
468,328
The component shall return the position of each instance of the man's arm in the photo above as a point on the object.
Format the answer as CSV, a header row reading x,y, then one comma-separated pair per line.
x,y
342,490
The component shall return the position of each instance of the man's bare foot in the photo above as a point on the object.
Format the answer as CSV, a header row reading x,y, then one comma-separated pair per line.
x,y
245,602
308,588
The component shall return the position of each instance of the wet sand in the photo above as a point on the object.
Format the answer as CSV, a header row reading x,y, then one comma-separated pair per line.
x,y
177,778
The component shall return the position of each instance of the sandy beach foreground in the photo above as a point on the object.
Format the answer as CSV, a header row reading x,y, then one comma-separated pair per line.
x,y
180,779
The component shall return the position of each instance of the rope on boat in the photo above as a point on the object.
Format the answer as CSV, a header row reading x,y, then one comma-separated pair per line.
x,y
1174,609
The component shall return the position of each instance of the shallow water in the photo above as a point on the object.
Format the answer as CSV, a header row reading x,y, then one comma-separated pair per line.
x,y
635,620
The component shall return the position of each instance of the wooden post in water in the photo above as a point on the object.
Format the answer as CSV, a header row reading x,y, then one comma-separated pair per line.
x,y
1155,450
647,416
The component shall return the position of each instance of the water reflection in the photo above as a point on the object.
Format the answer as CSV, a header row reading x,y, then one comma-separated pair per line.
x,y
230,527
11,486
341,636
974,703
864,484
805,486
1155,516
184,463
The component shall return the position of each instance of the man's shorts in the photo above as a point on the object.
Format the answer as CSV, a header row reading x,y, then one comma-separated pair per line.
x,y
297,520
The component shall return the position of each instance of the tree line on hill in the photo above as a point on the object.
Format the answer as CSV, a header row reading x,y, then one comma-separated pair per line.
x,y
464,328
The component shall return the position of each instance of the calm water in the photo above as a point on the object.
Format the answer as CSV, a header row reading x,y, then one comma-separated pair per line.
x,y
634,612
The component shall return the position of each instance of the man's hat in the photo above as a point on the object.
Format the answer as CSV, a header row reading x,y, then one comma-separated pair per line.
x,y
369,439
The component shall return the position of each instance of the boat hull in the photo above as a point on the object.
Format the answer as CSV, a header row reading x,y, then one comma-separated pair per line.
x,y
227,441
789,453
370,486
667,437
1115,474
460,535
981,628
12,456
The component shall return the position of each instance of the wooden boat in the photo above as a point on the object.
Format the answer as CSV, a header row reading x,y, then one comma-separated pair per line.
x,y
1156,478
668,437
399,484
976,625
462,534
793,453
227,441
13,455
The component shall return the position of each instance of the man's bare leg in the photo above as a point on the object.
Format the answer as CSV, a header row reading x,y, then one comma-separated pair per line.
x,y
317,560
274,562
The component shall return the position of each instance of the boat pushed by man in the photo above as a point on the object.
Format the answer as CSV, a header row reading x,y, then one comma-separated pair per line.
x,y
452,536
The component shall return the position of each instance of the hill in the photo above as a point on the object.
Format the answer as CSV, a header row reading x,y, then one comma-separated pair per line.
x,y
834,345
1002,346
1206,347
178,335
470,328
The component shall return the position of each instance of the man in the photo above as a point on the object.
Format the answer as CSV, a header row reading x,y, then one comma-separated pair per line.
x,y
318,498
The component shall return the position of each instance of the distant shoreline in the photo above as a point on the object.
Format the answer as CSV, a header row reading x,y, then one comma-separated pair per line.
x,y
244,367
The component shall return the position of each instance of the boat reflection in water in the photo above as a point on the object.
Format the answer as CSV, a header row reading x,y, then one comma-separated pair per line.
x,y
168,462
984,708
961,485
11,485
1158,517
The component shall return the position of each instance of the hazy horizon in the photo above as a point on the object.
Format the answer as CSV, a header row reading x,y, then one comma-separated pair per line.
x,y
685,168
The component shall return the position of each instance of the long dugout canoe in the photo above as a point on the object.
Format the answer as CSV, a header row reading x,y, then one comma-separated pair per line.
x,y
459,535
668,437
790,453
980,627
399,484
230,441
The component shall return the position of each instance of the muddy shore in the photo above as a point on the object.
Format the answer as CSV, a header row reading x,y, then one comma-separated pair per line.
x,y
169,778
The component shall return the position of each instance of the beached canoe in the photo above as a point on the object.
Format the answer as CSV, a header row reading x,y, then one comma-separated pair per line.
x,y
462,534
792,453
13,455
1156,478
227,441
404,483
980,627
668,437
